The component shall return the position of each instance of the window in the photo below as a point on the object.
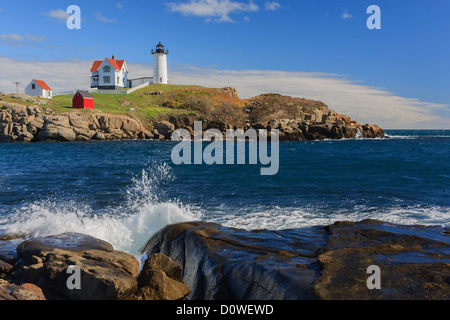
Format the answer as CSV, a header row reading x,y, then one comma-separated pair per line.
x,y
118,80
160,79
33,86
106,69
107,79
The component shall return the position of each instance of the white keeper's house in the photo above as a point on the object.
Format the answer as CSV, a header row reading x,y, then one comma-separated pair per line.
x,y
112,74
109,74
38,88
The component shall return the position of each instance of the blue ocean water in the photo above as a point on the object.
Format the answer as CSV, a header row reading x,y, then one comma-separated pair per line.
x,y
124,191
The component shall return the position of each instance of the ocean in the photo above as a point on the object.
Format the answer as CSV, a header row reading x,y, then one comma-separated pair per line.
x,y
125,191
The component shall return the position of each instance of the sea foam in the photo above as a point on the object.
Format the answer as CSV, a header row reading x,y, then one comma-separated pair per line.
x,y
126,227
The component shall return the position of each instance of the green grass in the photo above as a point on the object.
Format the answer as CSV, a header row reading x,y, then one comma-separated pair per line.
x,y
146,106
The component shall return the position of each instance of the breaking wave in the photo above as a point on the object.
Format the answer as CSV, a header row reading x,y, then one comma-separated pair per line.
x,y
126,227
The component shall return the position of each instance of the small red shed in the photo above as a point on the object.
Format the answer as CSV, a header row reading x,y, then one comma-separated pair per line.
x,y
83,99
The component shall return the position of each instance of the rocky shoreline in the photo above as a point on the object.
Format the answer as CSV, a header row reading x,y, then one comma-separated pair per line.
x,y
20,123
206,261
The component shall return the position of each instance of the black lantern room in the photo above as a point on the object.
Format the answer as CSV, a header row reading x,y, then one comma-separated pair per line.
x,y
160,49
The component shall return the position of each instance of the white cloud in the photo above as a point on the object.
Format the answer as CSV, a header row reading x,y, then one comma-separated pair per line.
x,y
212,10
346,14
272,6
363,103
102,18
15,38
59,15
119,6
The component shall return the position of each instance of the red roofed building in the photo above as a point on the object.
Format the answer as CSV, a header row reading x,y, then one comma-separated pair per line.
x,y
82,99
109,74
38,88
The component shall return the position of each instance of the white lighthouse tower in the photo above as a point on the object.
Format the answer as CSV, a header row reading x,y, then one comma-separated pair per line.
x,y
160,65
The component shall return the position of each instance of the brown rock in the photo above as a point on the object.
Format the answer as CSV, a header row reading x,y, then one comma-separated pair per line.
x,y
232,92
165,128
161,287
5,267
131,126
161,279
148,134
99,136
84,134
54,133
161,262
5,129
105,273
373,131
58,121
79,120
27,291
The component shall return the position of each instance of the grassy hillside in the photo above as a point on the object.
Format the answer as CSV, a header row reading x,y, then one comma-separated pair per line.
x,y
145,105
170,100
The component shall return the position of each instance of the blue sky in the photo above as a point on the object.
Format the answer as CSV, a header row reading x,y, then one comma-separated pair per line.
x,y
408,58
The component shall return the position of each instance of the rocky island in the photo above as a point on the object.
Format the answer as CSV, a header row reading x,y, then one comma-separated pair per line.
x,y
154,114
207,261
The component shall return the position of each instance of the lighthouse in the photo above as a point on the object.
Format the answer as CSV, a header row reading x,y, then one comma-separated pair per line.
x,y
160,65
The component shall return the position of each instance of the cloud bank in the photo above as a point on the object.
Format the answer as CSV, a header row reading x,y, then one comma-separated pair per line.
x,y
366,104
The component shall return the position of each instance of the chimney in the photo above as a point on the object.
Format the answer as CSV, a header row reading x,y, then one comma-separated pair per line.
x,y
113,57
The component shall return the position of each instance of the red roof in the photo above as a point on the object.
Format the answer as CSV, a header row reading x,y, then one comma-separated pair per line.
x,y
117,64
96,65
42,84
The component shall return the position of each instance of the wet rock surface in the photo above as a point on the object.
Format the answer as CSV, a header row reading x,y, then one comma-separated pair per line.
x,y
207,261
314,263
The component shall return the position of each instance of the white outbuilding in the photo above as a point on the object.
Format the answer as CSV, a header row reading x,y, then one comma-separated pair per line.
x,y
38,88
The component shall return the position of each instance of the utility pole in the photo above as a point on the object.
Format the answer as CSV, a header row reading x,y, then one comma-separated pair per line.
x,y
17,86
